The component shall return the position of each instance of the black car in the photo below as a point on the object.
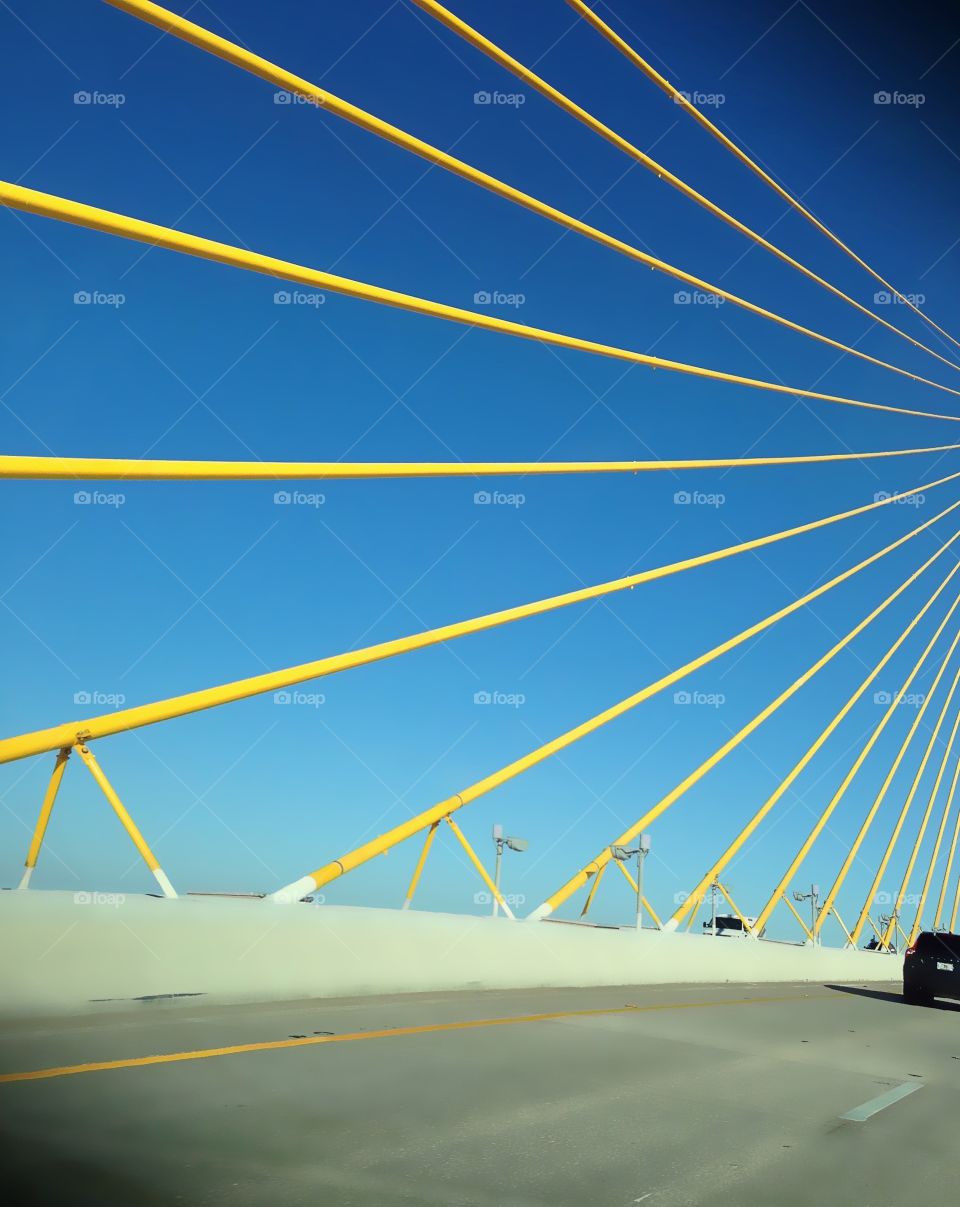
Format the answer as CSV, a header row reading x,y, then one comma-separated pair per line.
x,y
931,967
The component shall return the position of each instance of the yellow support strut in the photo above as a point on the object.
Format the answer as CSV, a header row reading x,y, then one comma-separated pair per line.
x,y
424,852
631,880
126,821
579,879
475,860
47,205
205,40
46,808
414,825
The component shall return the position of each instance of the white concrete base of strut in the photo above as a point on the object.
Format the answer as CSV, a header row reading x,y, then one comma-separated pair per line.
x,y
71,952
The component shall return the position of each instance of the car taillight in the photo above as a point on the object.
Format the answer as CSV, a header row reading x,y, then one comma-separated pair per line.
x,y
911,951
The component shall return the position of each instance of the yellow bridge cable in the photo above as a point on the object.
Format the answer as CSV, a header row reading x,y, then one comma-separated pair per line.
x,y
941,900
805,847
458,800
901,819
667,802
477,40
196,35
138,469
684,102
938,842
872,812
120,721
928,811
48,206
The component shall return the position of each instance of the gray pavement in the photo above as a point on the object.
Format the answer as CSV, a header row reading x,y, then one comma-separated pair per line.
x,y
727,1095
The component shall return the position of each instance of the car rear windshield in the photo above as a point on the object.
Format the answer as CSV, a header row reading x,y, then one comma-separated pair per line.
x,y
947,945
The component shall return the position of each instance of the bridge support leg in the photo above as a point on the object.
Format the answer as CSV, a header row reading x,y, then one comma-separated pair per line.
x,y
126,821
53,787
598,876
475,860
415,878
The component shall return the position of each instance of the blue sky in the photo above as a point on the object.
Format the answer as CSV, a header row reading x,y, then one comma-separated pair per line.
x,y
181,586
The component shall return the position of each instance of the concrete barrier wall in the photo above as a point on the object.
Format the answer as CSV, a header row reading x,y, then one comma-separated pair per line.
x,y
67,952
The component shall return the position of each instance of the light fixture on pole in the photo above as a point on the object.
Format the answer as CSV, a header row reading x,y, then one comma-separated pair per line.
x,y
814,898
641,850
500,841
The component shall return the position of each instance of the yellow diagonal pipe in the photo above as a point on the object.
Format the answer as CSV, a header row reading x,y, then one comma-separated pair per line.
x,y
685,103
458,800
125,719
817,829
867,823
941,900
667,802
938,841
206,40
898,827
49,206
500,56
925,819
142,469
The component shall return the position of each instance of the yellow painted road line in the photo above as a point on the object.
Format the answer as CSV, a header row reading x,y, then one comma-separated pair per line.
x,y
388,1033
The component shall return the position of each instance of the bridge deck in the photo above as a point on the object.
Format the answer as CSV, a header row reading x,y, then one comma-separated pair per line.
x,y
720,1094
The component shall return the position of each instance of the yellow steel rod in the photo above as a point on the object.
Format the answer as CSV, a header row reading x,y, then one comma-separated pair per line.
x,y
796,914
938,842
133,833
135,469
941,900
901,819
631,880
49,206
928,811
424,852
203,38
956,907
122,720
831,806
475,860
866,824
685,103
500,56
733,905
842,924
384,842
666,802
593,892
46,808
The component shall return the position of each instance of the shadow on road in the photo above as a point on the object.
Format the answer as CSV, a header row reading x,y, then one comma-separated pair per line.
x,y
898,998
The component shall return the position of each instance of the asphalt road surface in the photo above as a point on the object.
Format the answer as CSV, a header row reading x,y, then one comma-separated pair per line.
x,y
747,1096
